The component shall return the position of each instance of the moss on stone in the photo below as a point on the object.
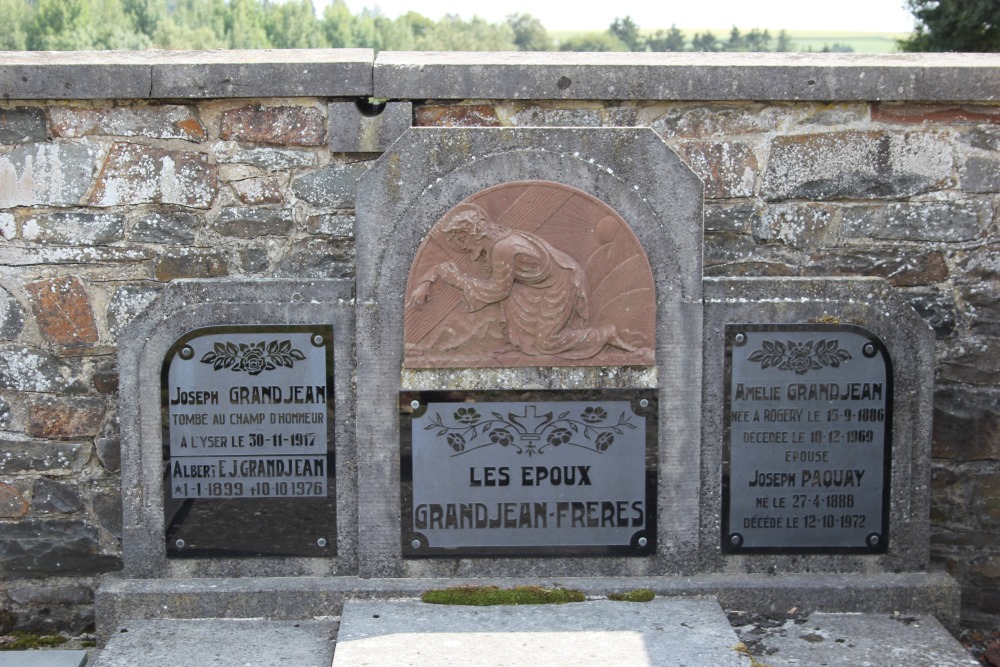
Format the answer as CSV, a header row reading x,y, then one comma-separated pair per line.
x,y
637,595
482,596
20,641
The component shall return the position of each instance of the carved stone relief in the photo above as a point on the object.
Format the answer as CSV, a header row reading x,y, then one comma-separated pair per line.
x,y
530,273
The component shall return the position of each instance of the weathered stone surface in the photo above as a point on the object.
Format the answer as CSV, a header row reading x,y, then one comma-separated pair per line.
x,y
33,549
937,308
254,191
13,505
53,497
569,114
268,159
983,307
834,114
901,269
236,172
24,368
985,138
332,224
126,302
108,508
66,418
10,256
174,227
4,413
456,115
794,225
727,168
167,121
853,165
62,310
986,500
254,260
980,174
731,254
8,226
250,223
715,120
930,221
977,265
356,130
76,228
945,114
106,377
139,174
193,263
50,594
47,174
967,423
109,451
287,126
11,316
973,360
53,458
334,186
20,125
318,258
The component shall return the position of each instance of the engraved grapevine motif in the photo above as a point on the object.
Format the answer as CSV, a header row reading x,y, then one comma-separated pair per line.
x,y
529,433
253,358
800,357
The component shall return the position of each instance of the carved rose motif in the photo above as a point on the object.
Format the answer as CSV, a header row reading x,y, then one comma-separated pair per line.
x,y
800,357
467,416
593,415
254,358
559,436
603,441
501,436
456,441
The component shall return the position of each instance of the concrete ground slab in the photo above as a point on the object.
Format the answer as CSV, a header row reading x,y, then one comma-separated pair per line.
x,y
856,640
43,658
215,642
599,632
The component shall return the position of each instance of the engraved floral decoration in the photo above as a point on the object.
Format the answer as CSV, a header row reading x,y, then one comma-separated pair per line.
x,y
253,358
529,433
800,357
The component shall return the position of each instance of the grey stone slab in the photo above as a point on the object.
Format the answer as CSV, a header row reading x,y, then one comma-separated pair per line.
x,y
179,308
214,642
685,76
598,632
857,640
186,74
118,598
57,658
353,130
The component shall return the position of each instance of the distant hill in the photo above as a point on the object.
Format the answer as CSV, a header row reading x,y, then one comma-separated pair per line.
x,y
802,40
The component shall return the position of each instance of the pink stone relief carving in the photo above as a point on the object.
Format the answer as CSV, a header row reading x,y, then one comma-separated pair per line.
x,y
530,273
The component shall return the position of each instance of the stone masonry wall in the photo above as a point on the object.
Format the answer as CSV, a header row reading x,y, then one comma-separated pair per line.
x,y
103,201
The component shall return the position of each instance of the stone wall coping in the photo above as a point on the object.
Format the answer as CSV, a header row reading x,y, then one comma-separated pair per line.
x,y
938,77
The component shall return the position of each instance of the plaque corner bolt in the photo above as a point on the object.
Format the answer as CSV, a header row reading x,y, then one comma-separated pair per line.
x,y
868,350
740,339
317,340
187,352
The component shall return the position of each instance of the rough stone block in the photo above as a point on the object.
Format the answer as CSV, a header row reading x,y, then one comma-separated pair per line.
x,y
8,226
909,113
978,265
334,186
24,368
51,458
983,307
174,227
986,500
283,126
456,115
832,114
109,451
794,225
167,121
11,316
47,174
126,302
738,218
194,263
567,114
254,260
62,310
38,548
54,497
66,418
255,191
353,130
967,423
332,224
20,125
901,268
717,120
930,221
318,258
853,165
984,138
120,259
139,174
728,169
107,503
249,223
937,308
980,174
76,228
972,361
13,504
268,159
34,593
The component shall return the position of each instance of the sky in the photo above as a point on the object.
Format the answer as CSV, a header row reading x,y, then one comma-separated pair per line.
x,y
852,15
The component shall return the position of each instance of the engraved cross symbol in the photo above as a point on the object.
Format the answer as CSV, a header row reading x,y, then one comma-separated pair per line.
x,y
531,424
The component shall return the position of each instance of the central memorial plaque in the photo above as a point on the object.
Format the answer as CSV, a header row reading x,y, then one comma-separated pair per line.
x,y
808,416
485,475
249,465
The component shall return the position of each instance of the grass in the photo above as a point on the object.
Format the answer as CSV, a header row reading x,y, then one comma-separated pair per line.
x,y
484,596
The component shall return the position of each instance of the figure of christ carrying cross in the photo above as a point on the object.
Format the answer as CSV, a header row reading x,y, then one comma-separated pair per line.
x,y
541,291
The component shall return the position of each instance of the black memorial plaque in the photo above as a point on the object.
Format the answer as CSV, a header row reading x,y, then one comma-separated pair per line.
x,y
539,473
248,442
808,415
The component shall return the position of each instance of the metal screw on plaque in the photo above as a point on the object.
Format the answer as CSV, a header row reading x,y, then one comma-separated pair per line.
x,y
180,544
736,540
415,404
643,541
644,403
321,542
873,540
415,544
868,350
317,340
740,339
187,352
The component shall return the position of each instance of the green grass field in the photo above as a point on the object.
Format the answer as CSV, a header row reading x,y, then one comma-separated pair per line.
x,y
802,40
